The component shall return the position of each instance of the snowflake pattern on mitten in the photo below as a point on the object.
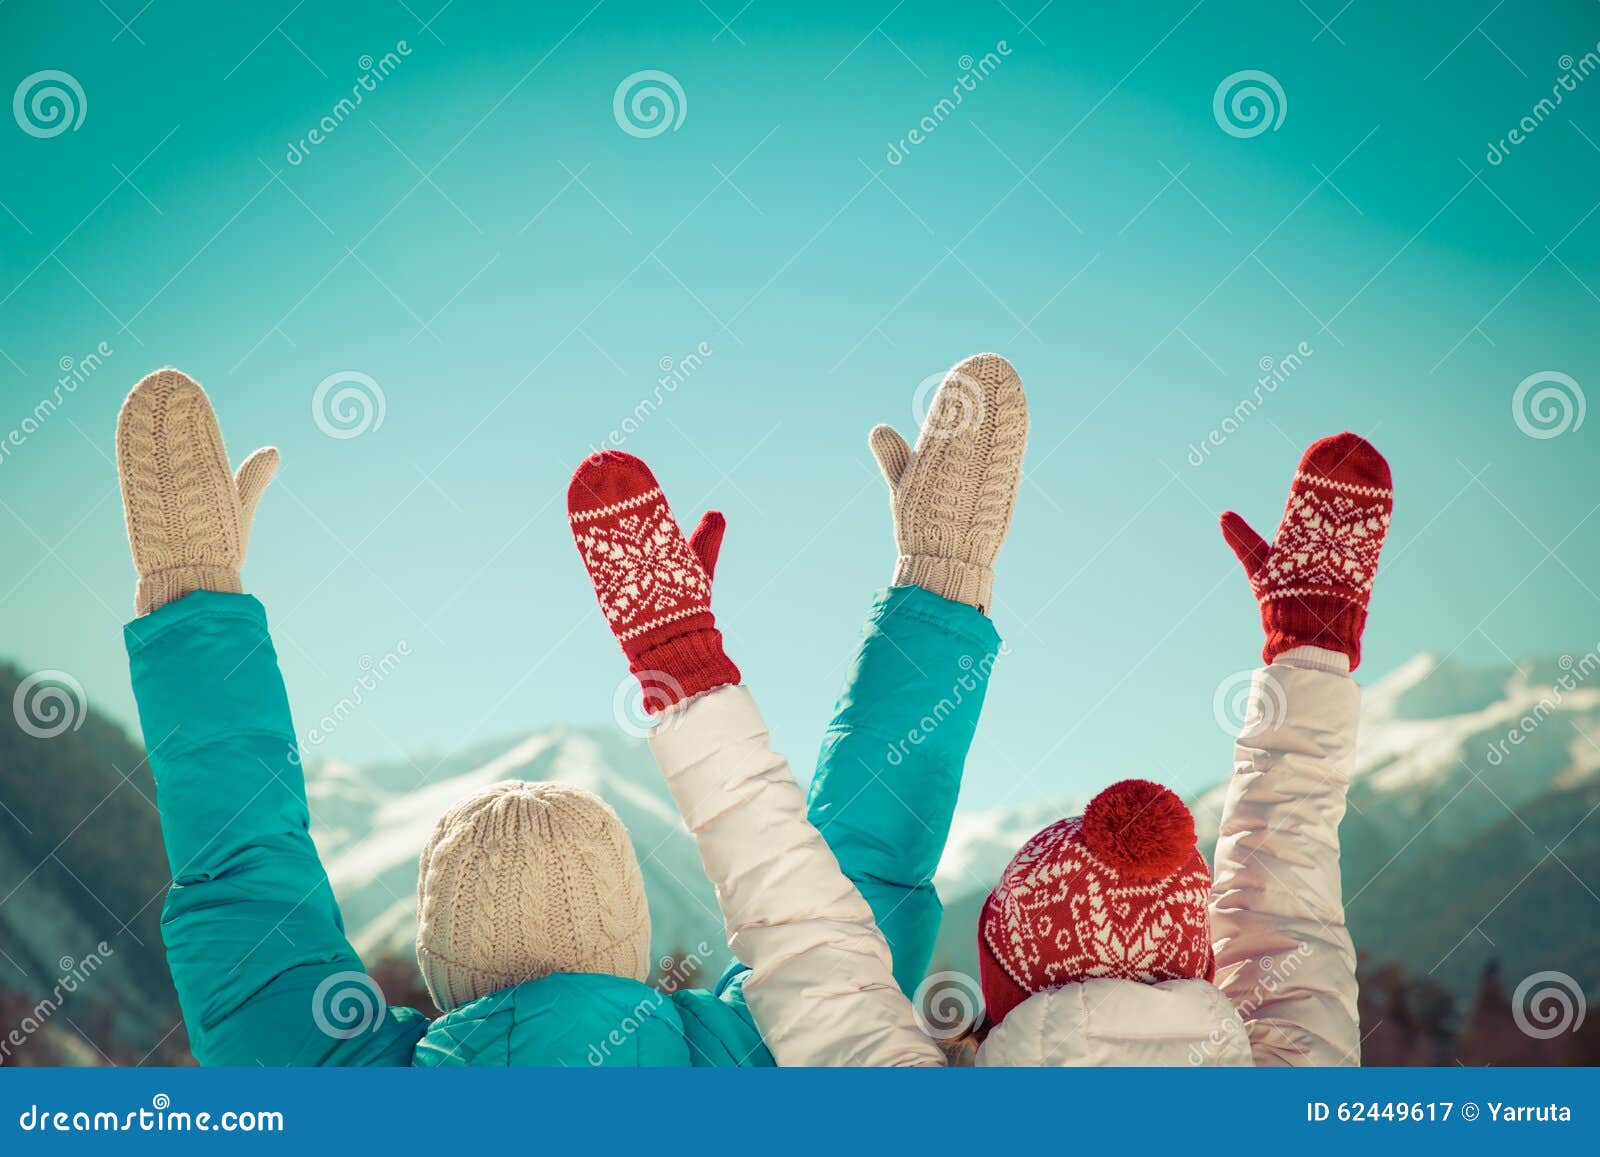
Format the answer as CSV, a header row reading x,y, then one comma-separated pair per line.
x,y
643,571
1314,580
653,585
1328,543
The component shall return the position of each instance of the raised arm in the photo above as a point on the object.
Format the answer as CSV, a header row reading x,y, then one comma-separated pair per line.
x,y
1284,956
820,985
890,769
257,949
889,772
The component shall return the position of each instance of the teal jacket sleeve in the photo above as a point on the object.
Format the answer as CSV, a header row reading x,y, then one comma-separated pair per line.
x,y
254,938
889,772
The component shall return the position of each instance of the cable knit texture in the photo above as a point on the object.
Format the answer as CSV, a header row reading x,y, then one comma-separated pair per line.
x,y
953,495
525,879
1314,579
653,584
188,515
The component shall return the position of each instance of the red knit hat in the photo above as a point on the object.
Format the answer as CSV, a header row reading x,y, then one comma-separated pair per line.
x,y
1120,891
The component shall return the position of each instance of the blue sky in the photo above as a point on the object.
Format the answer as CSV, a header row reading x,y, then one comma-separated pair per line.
x,y
483,240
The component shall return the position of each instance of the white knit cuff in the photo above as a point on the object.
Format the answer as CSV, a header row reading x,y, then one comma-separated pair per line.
x,y
1315,659
169,584
960,582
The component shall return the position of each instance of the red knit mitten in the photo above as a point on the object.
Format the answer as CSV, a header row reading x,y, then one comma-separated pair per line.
x,y
654,587
1314,580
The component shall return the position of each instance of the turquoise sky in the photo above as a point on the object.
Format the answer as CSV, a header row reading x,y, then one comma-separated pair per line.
x,y
482,239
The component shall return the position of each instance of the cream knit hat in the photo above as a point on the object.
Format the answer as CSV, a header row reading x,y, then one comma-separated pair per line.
x,y
525,879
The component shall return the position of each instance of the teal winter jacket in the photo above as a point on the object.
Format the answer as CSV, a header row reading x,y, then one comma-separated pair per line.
x,y
887,777
264,972
886,781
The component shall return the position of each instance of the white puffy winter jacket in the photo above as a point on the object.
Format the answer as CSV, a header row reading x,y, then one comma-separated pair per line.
x,y
822,990
1098,1023
1277,911
821,985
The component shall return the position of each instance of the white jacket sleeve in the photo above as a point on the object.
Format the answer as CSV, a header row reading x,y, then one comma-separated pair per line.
x,y
1277,915
821,986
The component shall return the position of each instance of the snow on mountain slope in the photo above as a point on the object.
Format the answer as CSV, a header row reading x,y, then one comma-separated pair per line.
x,y
1446,752
1435,765
1436,760
982,843
370,827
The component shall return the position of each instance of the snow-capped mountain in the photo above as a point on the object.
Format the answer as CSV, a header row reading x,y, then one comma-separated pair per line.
x,y
370,825
1452,762
1439,777
1473,834
1437,762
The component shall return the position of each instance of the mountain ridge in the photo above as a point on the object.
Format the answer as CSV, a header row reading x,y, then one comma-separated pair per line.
x,y
1495,833
1435,771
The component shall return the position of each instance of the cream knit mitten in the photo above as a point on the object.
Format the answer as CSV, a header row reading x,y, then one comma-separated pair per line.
x,y
953,496
188,515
